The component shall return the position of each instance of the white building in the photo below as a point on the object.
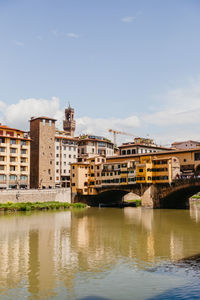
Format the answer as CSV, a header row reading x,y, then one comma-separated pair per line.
x,y
186,145
140,146
66,151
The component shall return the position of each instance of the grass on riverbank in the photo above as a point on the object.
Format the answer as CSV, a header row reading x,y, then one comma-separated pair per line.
x,y
196,197
136,201
28,206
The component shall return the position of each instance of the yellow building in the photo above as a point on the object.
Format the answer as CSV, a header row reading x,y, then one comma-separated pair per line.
x,y
189,159
14,158
156,170
79,178
89,177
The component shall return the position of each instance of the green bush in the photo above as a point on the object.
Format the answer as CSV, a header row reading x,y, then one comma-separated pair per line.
x,y
23,206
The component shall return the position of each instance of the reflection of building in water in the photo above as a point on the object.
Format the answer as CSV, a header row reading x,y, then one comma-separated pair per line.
x,y
176,247
47,250
12,248
195,211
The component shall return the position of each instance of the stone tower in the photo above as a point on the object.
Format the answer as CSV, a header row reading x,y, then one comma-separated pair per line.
x,y
69,124
42,163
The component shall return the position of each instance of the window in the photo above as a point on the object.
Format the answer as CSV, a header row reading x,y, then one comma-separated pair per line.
x,y
23,177
13,142
13,150
43,122
57,155
64,155
2,149
197,156
2,158
10,133
140,170
1,167
23,143
57,147
2,177
23,151
23,169
12,177
50,122
70,156
12,168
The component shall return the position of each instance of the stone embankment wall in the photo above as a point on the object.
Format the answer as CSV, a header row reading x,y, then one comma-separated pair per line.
x,y
34,195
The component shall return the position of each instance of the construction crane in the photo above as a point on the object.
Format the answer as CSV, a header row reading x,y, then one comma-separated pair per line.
x,y
115,132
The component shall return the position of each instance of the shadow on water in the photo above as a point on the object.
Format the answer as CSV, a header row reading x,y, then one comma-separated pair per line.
x,y
190,266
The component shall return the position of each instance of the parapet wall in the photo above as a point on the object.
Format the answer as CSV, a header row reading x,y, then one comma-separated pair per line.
x,y
35,195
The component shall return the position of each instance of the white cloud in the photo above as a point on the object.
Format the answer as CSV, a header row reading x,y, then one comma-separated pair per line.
x,y
17,115
73,35
55,32
18,43
39,37
128,19
182,107
100,126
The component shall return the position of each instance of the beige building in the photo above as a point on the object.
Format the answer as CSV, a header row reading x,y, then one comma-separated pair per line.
x,y
14,158
90,145
42,132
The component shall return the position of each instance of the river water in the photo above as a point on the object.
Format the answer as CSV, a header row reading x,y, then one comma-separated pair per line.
x,y
100,253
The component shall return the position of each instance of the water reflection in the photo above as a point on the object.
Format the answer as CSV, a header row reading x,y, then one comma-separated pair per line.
x,y
44,255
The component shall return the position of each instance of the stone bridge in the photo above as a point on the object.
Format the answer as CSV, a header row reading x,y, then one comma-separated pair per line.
x,y
175,195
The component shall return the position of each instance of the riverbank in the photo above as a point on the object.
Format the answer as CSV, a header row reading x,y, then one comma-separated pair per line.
x,y
28,206
35,195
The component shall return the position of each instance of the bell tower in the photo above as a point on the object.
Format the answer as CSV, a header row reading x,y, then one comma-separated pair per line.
x,y
69,124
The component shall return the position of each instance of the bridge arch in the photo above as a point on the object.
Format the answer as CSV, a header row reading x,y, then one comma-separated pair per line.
x,y
179,197
197,170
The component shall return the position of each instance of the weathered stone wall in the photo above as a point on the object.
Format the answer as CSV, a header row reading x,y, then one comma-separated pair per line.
x,y
33,195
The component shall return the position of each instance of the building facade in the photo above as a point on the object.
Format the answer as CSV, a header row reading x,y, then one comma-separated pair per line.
x,y
66,151
14,158
91,145
95,173
140,146
42,167
186,145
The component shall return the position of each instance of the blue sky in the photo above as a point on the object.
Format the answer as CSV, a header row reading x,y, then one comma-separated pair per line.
x,y
129,64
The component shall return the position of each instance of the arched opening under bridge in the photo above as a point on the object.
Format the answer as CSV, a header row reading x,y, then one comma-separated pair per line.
x,y
179,199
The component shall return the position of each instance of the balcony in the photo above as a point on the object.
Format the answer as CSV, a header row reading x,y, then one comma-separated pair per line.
x,y
13,163
13,154
24,172
25,147
14,145
25,164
